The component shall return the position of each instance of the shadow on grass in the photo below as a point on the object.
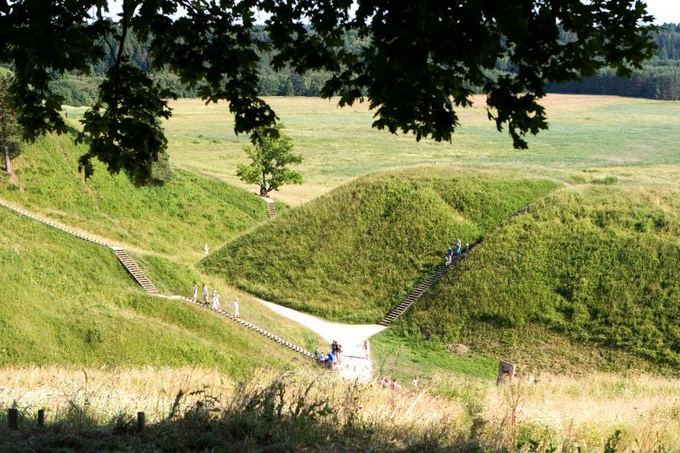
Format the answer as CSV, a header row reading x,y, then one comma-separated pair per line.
x,y
275,418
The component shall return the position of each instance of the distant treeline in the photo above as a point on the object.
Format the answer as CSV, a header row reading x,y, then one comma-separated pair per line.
x,y
659,79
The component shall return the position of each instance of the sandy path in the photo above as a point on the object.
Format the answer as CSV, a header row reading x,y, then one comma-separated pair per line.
x,y
355,359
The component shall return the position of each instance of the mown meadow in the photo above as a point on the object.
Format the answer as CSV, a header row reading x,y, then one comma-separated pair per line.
x,y
338,145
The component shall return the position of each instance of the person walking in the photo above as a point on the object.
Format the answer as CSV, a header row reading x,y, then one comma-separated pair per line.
x,y
449,256
205,294
215,301
194,297
235,308
458,247
206,249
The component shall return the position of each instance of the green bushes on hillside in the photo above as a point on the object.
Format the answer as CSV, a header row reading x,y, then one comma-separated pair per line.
x,y
601,266
355,253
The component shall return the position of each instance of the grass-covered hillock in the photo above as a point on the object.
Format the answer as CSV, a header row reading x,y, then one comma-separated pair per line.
x,y
353,254
177,218
69,303
599,266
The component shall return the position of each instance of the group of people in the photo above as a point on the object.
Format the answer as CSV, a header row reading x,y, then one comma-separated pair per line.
x,y
457,249
212,299
333,356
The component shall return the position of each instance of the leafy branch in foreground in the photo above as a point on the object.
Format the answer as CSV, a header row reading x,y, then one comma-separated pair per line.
x,y
415,62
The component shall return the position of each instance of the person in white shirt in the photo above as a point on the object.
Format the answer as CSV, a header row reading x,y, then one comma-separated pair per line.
x,y
235,308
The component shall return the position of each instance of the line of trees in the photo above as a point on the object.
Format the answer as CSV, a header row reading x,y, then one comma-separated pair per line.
x,y
659,79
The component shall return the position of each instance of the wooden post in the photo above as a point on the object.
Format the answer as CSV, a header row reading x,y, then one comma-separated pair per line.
x,y
41,418
505,369
140,421
13,419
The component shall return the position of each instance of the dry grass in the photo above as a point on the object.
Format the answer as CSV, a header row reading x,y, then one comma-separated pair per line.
x,y
566,413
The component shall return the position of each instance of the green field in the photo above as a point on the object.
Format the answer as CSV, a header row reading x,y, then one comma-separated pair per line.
x,y
586,132
52,282
176,219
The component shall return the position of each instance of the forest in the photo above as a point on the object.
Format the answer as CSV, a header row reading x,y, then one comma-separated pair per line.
x,y
658,79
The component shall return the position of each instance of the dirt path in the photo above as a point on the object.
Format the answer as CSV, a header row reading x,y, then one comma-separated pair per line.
x,y
356,356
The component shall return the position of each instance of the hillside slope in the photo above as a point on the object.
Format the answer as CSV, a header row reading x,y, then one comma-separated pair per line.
x,y
176,219
596,266
353,254
69,303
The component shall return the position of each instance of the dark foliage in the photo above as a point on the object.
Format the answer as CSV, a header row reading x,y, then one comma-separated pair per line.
x,y
416,62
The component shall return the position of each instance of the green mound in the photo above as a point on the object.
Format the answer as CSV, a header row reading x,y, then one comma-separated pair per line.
x,y
176,219
67,302
598,267
355,253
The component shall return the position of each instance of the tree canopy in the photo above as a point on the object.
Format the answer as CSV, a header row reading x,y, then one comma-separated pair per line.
x,y
270,160
416,62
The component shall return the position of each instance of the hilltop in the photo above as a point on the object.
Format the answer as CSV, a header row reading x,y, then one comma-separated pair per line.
x,y
175,219
594,265
353,254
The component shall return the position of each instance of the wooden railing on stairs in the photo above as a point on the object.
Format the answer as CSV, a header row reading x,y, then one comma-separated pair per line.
x,y
136,272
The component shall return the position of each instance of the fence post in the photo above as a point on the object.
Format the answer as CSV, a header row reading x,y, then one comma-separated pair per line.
x,y
140,421
13,419
41,418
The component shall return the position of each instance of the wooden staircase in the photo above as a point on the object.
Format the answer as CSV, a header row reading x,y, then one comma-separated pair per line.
x,y
271,208
131,266
441,270
141,278
417,292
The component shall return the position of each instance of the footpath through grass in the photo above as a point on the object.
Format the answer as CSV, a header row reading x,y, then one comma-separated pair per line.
x,y
354,254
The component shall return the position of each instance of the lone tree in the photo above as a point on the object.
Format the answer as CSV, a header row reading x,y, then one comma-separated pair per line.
x,y
10,131
417,62
270,157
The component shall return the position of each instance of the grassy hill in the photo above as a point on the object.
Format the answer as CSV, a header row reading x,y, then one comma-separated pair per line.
x,y
598,265
353,254
69,303
176,219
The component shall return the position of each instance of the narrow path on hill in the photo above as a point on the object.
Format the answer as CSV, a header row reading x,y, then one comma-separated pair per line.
x,y
356,353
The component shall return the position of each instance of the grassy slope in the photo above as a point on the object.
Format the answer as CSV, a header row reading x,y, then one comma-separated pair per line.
x,y
67,302
354,254
176,219
596,266
168,225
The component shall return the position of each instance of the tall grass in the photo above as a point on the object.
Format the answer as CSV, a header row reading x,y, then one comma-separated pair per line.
x,y
195,409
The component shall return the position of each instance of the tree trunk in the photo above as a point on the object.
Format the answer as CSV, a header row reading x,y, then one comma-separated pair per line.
x,y
263,186
8,161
